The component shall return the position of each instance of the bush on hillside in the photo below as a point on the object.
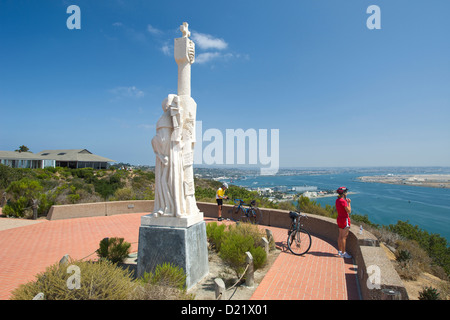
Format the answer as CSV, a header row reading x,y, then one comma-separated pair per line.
x,y
429,293
305,204
435,246
58,186
23,192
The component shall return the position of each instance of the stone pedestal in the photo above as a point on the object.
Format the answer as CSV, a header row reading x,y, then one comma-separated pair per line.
x,y
183,244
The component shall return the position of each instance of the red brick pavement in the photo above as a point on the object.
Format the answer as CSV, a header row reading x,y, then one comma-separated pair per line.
x,y
27,251
318,275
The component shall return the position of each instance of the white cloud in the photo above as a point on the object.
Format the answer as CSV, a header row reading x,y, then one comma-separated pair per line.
x,y
167,49
206,41
207,57
153,30
127,92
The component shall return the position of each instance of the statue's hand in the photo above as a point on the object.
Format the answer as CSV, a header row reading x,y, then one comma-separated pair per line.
x,y
165,160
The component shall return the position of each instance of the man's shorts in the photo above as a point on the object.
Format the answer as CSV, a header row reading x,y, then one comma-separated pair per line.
x,y
343,222
219,201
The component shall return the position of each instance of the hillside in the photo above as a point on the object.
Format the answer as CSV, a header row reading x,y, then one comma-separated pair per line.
x,y
57,186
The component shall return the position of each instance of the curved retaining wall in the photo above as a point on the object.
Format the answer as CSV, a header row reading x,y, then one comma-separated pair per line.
x,y
95,209
365,249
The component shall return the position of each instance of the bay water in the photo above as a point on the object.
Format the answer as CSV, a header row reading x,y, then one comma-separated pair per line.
x,y
428,208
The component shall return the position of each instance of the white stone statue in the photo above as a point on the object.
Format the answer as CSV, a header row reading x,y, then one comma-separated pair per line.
x,y
175,231
174,141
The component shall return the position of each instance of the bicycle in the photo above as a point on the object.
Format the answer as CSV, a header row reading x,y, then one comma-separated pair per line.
x,y
299,240
252,214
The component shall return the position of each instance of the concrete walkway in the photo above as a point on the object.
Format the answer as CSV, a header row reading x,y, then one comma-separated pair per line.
x,y
27,250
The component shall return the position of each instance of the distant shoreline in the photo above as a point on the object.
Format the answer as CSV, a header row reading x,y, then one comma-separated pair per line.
x,y
441,181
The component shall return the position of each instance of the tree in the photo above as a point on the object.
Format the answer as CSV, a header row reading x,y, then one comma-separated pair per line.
x,y
23,148
23,192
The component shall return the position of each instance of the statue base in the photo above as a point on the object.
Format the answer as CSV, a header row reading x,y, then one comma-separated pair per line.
x,y
154,219
183,246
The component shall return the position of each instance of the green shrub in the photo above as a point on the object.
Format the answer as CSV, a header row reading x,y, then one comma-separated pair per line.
x,y
204,193
215,233
166,274
74,198
403,255
22,191
83,173
123,194
305,204
248,230
412,260
17,208
429,293
364,219
168,282
114,249
100,280
233,251
433,244
107,187
259,257
236,242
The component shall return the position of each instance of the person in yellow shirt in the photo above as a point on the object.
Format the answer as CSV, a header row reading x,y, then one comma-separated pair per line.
x,y
220,195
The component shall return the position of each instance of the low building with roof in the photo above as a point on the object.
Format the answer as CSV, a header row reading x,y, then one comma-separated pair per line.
x,y
70,158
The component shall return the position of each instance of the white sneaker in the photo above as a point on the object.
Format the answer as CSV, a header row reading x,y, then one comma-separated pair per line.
x,y
340,253
346,255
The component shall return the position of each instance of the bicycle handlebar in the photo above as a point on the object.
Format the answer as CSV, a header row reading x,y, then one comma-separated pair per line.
x,y
240,201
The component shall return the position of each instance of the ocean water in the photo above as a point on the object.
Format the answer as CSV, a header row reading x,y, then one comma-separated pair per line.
x,y
428,208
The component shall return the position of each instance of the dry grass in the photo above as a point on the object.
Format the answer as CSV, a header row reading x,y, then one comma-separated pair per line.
x,y
160,291
101,280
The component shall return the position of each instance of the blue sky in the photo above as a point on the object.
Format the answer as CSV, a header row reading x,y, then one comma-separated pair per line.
x,y
339,93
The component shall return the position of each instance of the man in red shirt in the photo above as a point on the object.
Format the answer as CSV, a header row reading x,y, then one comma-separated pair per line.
x,y
344,209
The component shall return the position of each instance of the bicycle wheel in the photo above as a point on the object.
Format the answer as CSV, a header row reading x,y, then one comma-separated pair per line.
x,y
299,242
255,216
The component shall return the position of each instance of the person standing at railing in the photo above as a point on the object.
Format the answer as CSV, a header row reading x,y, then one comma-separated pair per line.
x,y
344,208
220,195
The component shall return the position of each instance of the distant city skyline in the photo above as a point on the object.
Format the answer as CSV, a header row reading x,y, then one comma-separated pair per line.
x,y
339,93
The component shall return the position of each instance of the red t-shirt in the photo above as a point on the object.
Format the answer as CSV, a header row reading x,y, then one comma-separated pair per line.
x,y
341,203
